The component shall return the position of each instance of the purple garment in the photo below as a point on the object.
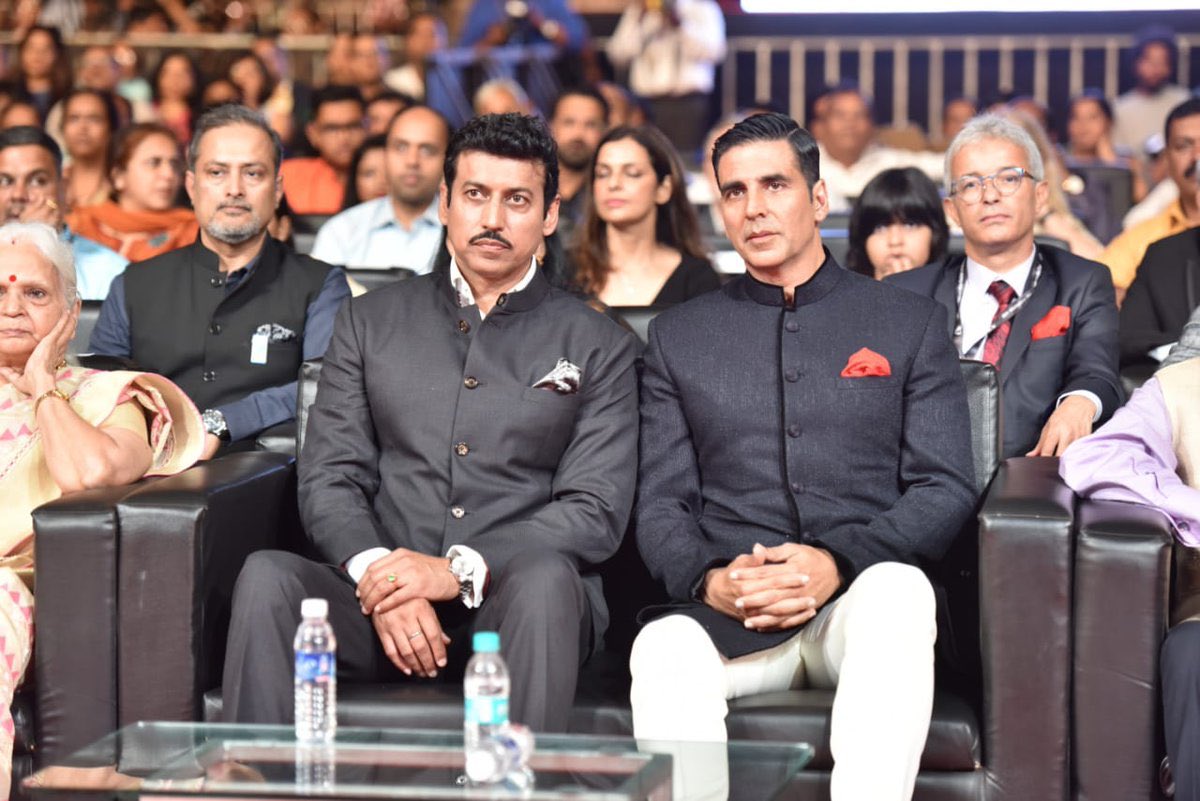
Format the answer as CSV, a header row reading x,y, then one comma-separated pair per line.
x,y
1132,458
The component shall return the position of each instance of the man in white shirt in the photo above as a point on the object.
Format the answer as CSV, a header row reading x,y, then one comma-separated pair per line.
x,y
1139,113
400,229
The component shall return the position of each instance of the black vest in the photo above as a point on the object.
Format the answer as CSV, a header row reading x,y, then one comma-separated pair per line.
x,y
184,325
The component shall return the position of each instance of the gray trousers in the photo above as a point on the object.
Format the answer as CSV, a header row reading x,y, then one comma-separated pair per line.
x,y
1180,666
536,602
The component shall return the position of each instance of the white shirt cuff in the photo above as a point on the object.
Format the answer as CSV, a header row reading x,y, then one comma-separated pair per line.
x,y
357,565
1092,396
479,572
1162,351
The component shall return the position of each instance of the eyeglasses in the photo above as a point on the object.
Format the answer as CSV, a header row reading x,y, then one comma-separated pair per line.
x,y
1006,182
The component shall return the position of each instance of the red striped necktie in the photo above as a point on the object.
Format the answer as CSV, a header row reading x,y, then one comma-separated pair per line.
x,y
993,349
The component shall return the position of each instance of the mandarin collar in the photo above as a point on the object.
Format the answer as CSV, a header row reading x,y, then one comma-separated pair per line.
x,y
821,284
209,260
521,300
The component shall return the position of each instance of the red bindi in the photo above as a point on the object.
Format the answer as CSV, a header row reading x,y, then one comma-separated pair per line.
x,y
12,279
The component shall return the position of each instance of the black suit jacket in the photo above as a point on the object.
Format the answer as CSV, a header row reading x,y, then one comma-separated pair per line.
x,y
1034,374
1162,296
750,433
427,430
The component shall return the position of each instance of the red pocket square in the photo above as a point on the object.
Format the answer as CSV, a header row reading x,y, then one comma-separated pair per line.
x,y
1054,324
866,362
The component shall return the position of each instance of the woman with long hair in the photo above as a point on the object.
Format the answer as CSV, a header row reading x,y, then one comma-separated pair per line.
x,y
176,88
639,243
43,68
141,220
89,121
366,179
897,224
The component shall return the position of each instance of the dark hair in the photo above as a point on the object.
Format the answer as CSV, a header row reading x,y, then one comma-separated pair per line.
x,y
507,136
773,127
231,114
336,93
23,135
897,195
675,225
1156,34
1188,108
60,73
391,96
127,140
350,193
107,100
268,80
580,91
1096,96
193,97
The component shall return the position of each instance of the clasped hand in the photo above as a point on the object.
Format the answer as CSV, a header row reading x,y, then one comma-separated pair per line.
x,y
398,591
773,589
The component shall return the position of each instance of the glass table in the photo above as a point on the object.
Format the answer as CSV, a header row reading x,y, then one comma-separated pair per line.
x,y
168,760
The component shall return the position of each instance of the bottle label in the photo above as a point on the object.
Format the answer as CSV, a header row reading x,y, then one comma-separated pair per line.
x,y
487,711
315,667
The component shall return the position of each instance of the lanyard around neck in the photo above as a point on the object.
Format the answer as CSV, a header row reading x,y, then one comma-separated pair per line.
x,y
1008,314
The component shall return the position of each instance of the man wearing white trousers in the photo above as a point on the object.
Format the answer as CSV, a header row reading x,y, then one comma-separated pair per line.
x,y
805,449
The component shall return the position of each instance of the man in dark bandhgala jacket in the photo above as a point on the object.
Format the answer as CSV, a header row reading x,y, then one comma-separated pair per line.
x,y
1045,318
805,448
470,458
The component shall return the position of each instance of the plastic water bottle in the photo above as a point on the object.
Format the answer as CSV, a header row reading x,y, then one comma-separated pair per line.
x,y
316,676
502,757
485,691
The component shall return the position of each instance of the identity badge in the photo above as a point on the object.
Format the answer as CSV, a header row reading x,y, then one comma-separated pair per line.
x,y
258,344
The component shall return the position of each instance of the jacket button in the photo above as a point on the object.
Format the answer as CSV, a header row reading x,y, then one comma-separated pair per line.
x,y
464,326
217,281
796,488
457,512
215,328
792,325
793,431
500,301
470,382
461,449
792,375
209,375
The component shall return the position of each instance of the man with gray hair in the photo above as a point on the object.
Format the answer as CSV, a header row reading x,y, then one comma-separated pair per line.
x,y
230,317
1047,320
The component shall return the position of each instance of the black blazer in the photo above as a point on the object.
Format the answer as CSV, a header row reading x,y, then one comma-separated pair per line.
x,y
1162,296
750,433
1034,374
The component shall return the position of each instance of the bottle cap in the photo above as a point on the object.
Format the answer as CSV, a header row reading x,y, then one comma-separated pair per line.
x,y
314,607
481,765
486,642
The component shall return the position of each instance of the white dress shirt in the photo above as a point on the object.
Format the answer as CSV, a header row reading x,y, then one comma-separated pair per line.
x,y
978,308
668,61
369,235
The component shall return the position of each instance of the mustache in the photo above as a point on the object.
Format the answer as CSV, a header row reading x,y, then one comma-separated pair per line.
x,y
492,235
239,206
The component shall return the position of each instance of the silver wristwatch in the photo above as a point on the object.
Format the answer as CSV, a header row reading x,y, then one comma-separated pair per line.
x,y
214,423
460,568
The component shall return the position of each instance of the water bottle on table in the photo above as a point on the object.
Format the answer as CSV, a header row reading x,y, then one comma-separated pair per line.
x,y
485,690
316,674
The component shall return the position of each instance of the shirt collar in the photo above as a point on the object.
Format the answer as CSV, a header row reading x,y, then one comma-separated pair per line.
x,y
463,290
979,278
383,215
1175,213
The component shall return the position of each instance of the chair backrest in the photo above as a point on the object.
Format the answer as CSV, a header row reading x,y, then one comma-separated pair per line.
x,y
983,400
373,278
89,312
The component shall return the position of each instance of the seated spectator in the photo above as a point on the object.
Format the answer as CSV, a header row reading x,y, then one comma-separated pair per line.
x,y
254,81
64,429
32,190
1140,113
142,220
1149,453
1059,218
1163,295
578,120
1089,139
382,108
672,51
370,62
89,122
18,114
401,229
849,157
1008,297
639,243
339,61
43,68
96,68
426,35
314,185
1182,134
956,112
218,92
176,88
244,311
367,177
501,96
897,224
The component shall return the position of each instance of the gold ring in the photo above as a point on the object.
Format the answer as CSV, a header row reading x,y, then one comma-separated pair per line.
x,y
416,634
61,364
53,204
391,577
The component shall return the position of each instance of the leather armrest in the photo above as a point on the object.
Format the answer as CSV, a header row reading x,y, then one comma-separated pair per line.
x,y
278,439
183,541
1025,590
1122,592
75,658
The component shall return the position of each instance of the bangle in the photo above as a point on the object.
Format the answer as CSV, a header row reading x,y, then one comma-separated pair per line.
x,y
50,393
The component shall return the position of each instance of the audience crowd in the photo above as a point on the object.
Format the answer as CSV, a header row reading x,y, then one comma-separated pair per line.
x,y
219,210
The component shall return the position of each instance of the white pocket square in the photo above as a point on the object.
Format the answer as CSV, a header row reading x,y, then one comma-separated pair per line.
x,y
563,379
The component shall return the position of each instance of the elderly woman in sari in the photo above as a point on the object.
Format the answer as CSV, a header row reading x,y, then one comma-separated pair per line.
x,y
62,428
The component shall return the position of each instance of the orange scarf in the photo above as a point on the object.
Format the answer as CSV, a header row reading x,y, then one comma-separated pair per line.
x,y
136,235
